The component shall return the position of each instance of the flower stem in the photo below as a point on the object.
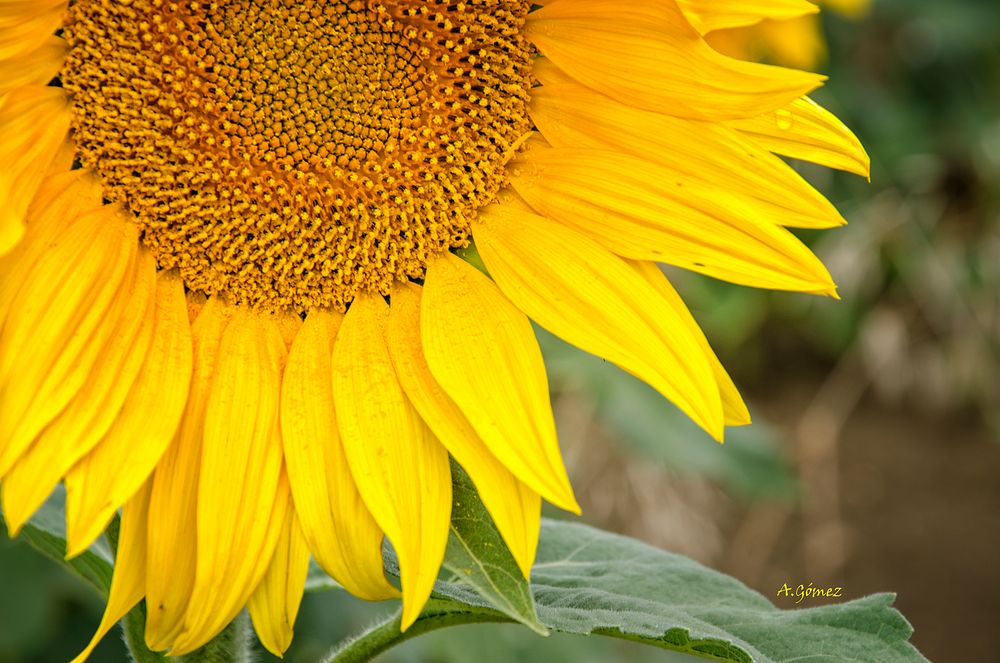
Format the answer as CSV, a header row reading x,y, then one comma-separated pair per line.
x,y
386,634
134,628
233,645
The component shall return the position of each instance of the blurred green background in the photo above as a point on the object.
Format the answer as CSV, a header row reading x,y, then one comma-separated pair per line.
x,y
874,461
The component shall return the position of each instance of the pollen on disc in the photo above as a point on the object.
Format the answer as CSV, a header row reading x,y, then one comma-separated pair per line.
x,y
291,153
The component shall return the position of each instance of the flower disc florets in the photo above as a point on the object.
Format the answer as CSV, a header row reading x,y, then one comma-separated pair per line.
x,y
289,154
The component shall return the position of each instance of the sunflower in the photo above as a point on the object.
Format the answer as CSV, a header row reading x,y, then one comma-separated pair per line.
x,y
785,31
233,304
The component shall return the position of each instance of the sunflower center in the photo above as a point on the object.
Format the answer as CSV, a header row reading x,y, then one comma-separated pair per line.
x,y
291,153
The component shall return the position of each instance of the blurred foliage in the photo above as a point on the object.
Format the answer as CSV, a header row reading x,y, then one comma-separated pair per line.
x,y
919,275
47,614
750,464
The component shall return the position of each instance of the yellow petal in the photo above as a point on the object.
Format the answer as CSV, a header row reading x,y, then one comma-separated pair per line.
x,y
639,210
62,163
580,291
734,409
20,10
797,42
739,43
34,122
708,15
483,353
400,470
89,415
58,322
241,502
696,153
515,508
171,565
26,24
64,196
342,535
59,202
805,130
646,54
126,456
127,584
36,68
275,603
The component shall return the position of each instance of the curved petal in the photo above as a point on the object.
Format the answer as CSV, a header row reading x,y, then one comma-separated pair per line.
x,y
26,24
805,130
36,68
639,210
709,15
341,532
796,43
59,202
128,581
34,123
515,508
483,352
47,351
580,291
170,567
733,407
645,53
89,414
242,492
400,469
705,154
274,605
106,477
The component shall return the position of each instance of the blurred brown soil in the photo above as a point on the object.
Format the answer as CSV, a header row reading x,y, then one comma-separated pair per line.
x,y
894,499
916,511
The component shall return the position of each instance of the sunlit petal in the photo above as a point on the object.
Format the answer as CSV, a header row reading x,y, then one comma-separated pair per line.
x,y
400,469
483,352
128,582
170,568
515,507
34,122
590,297
128,452
241,502
274,605
639,210
709,15
805,130
647,54
341,533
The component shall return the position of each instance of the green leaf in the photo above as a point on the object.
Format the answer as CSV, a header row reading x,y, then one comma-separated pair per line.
x,y
46,531
589,581
478,556
478,569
